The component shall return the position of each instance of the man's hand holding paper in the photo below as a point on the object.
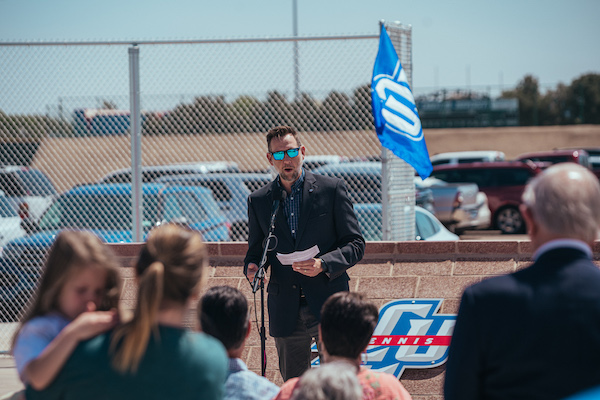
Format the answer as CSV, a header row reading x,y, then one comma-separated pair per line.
x,y
311,267
303,261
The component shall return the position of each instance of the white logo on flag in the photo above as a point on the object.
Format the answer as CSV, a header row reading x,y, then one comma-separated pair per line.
x,y
394,95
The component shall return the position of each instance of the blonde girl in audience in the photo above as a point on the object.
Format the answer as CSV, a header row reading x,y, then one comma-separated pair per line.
x,y
77,299
154,355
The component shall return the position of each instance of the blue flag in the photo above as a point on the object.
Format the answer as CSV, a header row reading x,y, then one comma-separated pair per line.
x,y
394,111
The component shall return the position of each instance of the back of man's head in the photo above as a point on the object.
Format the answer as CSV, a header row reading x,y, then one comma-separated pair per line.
x,y
565,200
223,314
347,324
331,381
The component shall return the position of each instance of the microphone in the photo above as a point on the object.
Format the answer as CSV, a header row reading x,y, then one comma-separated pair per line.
x,y
278,196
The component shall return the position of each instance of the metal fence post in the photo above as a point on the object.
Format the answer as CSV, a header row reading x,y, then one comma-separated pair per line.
x,y
397,176
136,143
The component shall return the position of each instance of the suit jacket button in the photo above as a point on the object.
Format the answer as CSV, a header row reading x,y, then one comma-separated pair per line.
x,y
294,287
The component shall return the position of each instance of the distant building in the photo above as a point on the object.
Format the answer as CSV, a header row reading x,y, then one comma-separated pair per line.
x,y
468,112
104,122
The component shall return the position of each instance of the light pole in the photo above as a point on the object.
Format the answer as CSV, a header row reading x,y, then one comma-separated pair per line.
x,y
295,33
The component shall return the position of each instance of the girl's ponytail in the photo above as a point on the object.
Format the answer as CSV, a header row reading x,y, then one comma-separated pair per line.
x,y
133,337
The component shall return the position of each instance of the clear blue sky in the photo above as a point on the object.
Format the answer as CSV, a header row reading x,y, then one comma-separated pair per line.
x,y
454,42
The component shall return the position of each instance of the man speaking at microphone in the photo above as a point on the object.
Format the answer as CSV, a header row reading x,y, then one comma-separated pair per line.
x,y
315,216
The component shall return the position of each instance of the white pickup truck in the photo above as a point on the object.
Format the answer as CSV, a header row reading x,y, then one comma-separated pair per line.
x,y
459,206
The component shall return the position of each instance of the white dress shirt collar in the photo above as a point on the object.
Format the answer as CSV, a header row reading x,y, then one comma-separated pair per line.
x,y
562,243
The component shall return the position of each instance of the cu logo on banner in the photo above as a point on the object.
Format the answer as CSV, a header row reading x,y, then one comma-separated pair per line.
x,y
398,105
410,334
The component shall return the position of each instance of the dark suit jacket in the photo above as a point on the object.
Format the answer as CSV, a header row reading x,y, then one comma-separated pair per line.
x,y
533,334
327,219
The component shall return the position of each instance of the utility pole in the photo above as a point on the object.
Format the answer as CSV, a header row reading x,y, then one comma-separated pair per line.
x,y
295,33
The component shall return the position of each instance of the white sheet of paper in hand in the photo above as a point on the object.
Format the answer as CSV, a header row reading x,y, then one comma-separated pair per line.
x,y
289,259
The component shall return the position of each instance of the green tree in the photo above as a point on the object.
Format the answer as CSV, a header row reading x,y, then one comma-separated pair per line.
x,y
361,104
244,112
276,111
553,107
583,101
527,91
337,111
306,110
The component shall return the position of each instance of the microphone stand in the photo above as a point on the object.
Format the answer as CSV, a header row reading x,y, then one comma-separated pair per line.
x,y
259,283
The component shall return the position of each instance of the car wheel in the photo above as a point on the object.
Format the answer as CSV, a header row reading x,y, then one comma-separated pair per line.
x,y
509,220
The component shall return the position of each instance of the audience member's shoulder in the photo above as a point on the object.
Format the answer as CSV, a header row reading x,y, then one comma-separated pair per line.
x,y
207,341
287,389
249,385
385,386
41,323
497,284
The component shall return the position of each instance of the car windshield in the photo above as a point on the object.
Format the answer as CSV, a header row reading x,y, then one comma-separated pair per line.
x,y
36,183
6,209
97,212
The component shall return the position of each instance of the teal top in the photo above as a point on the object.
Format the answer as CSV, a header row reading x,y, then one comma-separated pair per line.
x,y
179,364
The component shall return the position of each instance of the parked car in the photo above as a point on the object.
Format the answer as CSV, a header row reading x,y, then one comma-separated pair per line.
x,y
315,161
459,206
28,186
503,182
363,180
427,226
231,192
153,172
462,157
593,158
106,211
10,222
578,156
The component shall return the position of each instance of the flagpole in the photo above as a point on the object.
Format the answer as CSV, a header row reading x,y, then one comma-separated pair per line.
x,y
296,66
385,230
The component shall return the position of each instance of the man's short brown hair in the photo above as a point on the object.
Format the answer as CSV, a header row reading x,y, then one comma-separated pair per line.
x,y
347,324
281,131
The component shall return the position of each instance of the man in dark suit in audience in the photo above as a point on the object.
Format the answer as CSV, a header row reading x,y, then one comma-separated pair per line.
x,y
535,333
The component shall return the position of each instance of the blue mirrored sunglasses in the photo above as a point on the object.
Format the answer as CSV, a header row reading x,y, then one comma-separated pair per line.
x,y
279,155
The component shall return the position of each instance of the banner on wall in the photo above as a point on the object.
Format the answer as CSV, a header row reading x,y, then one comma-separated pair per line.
x,y
410,334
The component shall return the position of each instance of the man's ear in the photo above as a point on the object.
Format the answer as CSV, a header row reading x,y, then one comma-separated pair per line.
x,y
249,328
270,158
322,349
529,219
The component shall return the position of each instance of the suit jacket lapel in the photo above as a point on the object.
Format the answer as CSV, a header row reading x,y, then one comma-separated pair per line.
x,y
310,185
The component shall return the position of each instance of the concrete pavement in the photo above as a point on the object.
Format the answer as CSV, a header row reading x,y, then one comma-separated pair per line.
x,y
9,380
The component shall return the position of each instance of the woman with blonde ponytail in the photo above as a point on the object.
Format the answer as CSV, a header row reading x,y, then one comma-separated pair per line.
x,y
152,356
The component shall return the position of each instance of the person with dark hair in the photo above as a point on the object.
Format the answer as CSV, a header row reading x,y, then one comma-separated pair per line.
x,y
154,355
223,314
347,324
315,214
535,333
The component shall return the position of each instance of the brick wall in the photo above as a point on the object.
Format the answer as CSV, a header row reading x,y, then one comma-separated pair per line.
x,y
389,271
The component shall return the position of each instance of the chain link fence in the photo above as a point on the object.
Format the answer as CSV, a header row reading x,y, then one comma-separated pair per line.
x,y
206,107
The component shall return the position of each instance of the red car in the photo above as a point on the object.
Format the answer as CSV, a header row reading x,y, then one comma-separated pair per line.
x,y
502,181
578,156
